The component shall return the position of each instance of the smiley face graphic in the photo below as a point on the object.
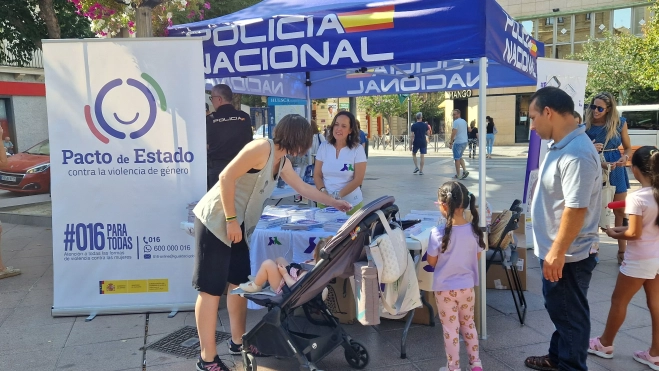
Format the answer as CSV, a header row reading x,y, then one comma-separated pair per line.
x,y
125,119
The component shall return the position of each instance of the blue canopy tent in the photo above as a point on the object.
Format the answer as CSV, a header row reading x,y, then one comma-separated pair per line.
x,y
336,48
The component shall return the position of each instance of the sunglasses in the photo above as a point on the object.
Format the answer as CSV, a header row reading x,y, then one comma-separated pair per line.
x,y
216,96
598,108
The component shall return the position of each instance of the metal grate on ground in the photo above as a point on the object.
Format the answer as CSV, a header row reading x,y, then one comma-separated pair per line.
x,y
183,342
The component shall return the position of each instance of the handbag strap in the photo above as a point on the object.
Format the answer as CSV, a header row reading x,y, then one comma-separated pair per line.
x,y
608,173
385,222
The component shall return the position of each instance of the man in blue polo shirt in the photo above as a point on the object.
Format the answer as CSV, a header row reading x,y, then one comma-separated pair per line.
x,y
418,131
566,211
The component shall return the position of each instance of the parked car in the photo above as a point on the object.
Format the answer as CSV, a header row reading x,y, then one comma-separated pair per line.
x,y
29,171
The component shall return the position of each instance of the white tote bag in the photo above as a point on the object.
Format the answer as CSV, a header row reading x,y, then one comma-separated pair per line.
x,y
389,252
608,192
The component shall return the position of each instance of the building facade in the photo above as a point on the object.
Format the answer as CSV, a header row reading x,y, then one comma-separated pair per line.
x,y
564,26
23,114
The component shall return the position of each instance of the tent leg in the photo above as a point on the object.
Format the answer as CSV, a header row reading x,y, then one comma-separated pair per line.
x,y
482,109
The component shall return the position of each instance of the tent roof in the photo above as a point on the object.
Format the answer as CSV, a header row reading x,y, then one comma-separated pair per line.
x,y
287,36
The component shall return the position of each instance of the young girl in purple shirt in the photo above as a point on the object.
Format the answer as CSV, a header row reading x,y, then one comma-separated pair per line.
x,y
453,251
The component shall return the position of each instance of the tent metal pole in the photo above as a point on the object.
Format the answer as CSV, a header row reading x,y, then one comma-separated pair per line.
x,y
482,178
308,83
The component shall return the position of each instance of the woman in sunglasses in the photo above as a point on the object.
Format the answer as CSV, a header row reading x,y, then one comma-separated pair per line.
x,y
608,131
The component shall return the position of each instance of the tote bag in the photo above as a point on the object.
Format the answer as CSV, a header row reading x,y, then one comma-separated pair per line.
x,y
608,192
389,252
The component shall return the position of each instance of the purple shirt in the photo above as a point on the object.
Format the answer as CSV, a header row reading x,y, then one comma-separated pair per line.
x,y
457,267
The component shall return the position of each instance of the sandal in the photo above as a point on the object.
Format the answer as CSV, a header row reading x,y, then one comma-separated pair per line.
x,y
542,363
250,287
9,272
621,257
645,358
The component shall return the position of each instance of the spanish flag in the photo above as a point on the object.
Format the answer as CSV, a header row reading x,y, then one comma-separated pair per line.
x,y
533,48
372,19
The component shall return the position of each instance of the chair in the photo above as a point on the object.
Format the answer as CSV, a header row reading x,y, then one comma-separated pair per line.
x,y
499,255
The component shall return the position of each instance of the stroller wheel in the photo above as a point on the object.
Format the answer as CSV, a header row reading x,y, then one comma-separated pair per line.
x,y
358,357
249,363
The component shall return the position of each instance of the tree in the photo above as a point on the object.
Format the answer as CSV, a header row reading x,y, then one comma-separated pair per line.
x,y
109,16
386,105
610,67
25,22
645,52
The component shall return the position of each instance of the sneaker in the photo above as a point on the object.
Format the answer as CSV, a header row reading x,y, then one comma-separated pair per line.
x,y
645,358
476,366
464,175
595,347
236,349
420,172
250,287
215,365
416,170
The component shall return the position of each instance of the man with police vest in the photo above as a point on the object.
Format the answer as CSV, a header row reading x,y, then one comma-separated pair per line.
x,y
228,130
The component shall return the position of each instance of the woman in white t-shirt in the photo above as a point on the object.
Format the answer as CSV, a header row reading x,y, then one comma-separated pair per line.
x,y
341,162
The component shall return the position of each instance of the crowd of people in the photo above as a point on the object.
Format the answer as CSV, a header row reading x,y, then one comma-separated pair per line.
x,y
566,210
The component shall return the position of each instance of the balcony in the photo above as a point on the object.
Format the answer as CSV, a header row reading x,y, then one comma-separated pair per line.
x,y
35,63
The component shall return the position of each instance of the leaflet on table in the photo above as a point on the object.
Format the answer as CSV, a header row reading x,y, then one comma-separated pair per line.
x,y
269,221
330,214
304,224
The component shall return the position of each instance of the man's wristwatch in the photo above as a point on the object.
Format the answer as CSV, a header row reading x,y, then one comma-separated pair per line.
x,y
322,189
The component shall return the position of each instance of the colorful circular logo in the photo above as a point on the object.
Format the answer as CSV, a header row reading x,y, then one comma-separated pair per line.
x,y
103,123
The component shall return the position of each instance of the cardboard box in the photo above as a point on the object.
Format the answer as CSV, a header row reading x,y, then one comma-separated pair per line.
x,y
341,300
496,277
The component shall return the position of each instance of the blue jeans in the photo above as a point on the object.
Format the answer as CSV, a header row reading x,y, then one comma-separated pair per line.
x,y
489,142
567,304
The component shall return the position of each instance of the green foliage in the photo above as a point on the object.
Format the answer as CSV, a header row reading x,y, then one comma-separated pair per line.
x,y
645,52
609,65
390,106
22,29
252,100
386,105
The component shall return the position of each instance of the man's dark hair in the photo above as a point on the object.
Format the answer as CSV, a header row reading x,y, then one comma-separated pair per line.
x,y
554,98
224,91
293,134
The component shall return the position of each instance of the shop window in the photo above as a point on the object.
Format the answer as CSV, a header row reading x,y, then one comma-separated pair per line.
x,y
581,28
546,32
578,47
529,26
564,31
641,16
602,23
563,51
560,20
588,16
549,21
622,20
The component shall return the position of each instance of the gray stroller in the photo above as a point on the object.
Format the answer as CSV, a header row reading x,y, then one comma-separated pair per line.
x,y
311,332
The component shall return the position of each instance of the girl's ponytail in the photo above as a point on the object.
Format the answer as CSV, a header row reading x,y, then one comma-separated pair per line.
x,y
455,195
654,176
474,221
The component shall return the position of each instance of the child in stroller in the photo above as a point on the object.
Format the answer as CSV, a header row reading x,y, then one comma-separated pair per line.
x,y
279,272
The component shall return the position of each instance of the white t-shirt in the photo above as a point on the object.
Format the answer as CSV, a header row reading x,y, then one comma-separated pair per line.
x,y
642,203
461,136
338,172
